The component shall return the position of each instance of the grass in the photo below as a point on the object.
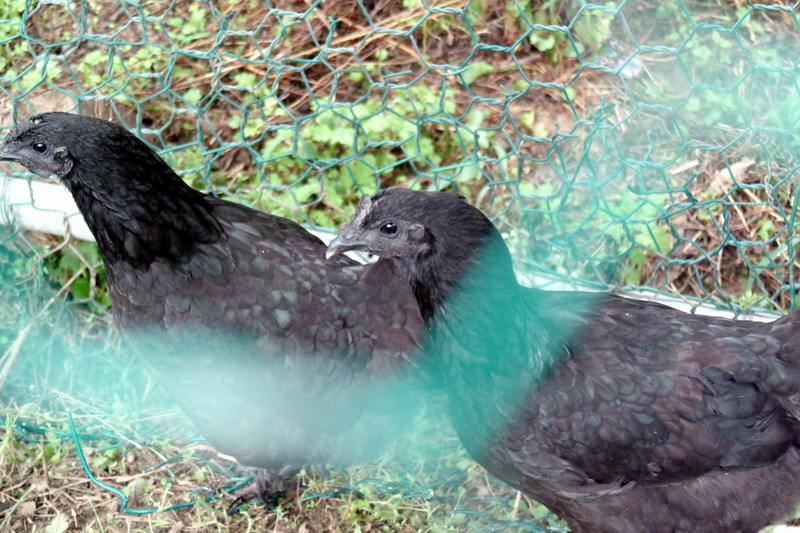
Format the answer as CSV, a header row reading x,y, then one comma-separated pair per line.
x,y
150,454
681,177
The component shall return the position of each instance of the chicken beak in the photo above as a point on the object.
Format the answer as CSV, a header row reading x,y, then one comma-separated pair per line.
x,y
7,153
342,244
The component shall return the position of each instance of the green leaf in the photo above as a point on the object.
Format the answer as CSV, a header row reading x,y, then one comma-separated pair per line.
x,y
721,41
377,124
529,120
632,276
765,229
363,174
80,289
468,173
193,96
520,85
95,57
322,218
543,41
245,79
638,257
304,191
476,70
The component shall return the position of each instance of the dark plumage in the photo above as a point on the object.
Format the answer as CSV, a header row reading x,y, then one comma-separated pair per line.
x,y
280,357
619,415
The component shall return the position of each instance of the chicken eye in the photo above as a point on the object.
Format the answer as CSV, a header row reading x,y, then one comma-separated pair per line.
x,y
390,228
39,147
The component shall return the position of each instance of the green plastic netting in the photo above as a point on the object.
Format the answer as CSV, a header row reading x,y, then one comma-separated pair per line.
x,y
618,145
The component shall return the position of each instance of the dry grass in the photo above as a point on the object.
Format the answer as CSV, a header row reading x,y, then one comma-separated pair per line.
x,y
142,454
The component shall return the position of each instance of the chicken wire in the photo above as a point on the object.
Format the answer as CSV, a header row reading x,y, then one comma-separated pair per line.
x,y
617,146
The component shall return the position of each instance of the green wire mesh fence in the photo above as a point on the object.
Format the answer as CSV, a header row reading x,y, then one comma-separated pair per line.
x,y
618,145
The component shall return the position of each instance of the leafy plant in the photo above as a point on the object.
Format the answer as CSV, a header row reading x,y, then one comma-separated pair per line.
x,y
11,12
80,265
542,21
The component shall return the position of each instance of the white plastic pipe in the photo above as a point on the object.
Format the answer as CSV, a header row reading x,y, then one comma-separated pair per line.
x,y
40,206
49,208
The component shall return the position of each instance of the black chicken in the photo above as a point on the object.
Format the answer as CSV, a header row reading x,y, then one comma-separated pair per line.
x,y
280,357
617,414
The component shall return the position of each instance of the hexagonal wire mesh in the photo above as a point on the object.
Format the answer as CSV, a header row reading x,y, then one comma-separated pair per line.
x,y
615,145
